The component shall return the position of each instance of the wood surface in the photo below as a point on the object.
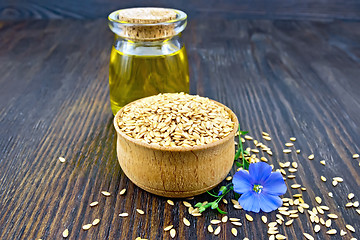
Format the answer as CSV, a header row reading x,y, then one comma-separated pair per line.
x,y
288,78
269,9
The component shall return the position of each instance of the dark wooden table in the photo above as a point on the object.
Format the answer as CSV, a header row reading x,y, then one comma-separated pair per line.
x,y
288,78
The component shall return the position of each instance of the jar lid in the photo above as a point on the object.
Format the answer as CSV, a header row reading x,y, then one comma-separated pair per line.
x,y
147,24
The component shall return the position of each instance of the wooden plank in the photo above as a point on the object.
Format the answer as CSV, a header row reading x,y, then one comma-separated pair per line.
x,y
288,78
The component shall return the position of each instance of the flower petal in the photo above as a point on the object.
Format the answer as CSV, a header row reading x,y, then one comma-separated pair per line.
x,y
274,184
260,172
242,182
269,202
250,201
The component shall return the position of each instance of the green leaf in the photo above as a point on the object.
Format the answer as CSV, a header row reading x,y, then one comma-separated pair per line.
x,y
208,204
199,204
212,194
238,164
243,132
221,211
214,205
201,209
236,195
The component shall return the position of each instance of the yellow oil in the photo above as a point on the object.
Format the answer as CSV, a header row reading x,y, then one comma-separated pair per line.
x,y
136,76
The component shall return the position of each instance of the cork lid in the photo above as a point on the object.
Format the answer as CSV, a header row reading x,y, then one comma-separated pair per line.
x,y
148,23
146,15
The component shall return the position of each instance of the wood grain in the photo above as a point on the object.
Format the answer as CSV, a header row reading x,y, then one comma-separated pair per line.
x,y
249,9
288,78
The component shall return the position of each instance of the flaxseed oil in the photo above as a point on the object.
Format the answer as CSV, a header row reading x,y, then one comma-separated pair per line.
x,y
136,76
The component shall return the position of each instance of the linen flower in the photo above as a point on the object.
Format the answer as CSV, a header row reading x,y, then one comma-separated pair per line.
x,y
260,188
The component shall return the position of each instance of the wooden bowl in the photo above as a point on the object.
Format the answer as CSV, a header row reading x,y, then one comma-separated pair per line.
x,y
173,171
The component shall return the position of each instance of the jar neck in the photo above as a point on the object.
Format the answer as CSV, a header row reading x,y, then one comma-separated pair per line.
x,y
148,48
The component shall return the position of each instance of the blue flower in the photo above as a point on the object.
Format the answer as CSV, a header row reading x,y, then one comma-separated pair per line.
x,y
260,188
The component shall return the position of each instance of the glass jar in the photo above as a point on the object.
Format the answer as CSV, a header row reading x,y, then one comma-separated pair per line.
x,y
148,56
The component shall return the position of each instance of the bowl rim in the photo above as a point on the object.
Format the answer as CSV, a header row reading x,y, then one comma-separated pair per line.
x,y
178,148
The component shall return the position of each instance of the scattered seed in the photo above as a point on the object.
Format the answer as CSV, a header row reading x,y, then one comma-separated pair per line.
x,y
225,201
287,151
295,186
170,202
237,223
322,162
280,237
303,189
87,226
298,195
342,233
294,164
272,224
356,204
93,204
322,221
330,194
293,139
224,219
265,134
249,218
349,204
168,228
288,223
186,222
323,178
338,179
141,212
264,219
267,138
234,231
186,204
263,159
210,229
95,222
292,170
291,176
228,178
317,228
122,192
247,137
234,219
308,236
331,232
106,194
351,196
217,230
355,156
237,207
358,211
328,223
280,217
172,233
351,228
272,232
311,157
318,200
215,221
333,216
334,183
289,144
65,233
124,214
61,159
298,151
326,208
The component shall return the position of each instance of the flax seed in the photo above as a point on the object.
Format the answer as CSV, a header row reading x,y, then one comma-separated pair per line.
x,y
65,233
